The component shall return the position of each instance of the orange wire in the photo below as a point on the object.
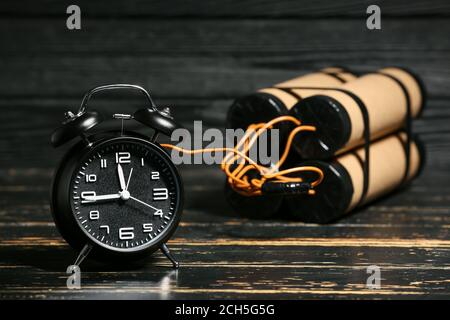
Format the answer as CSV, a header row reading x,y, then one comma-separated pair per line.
x,y
237,177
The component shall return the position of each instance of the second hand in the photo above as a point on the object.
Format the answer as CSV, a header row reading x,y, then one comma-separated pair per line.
x,y
129,178
146,204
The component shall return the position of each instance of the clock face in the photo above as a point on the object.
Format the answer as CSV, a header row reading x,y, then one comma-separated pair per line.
x,y
125,194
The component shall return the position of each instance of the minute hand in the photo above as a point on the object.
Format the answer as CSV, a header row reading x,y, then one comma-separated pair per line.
x,y
158,211
121,177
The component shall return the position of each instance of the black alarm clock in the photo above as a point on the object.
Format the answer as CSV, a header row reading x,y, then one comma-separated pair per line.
x,y
116,195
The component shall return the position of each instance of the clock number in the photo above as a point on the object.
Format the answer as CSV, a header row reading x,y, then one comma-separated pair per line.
x,y
91,178
147,227
126,233
160,194
155,175
94,215
87,194
103,163
123,157
105,227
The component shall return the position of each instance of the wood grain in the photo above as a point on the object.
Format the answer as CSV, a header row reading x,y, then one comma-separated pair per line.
x,y
240,56
196,58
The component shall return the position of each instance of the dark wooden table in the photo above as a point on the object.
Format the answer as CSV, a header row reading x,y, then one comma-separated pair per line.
x,y
197,59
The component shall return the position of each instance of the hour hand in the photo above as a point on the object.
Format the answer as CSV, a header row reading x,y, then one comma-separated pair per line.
x,y
105,197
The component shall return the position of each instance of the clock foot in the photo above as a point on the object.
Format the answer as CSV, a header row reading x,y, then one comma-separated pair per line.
x,y
83,254
169,256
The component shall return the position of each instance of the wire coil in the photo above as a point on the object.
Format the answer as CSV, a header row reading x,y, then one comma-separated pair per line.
x,y
238,174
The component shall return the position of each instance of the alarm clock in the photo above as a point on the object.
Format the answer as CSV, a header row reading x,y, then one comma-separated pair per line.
x,y
116,195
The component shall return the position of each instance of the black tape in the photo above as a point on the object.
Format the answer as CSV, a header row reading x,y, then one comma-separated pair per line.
x,y
292,93
334,75
366,133
285,188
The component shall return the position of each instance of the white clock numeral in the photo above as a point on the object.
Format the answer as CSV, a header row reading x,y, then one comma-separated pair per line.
x,y
160,194
159,213
126,233
87,194
94,215
105,227
123,157
155,175
142,162
147,227
103,163
91,178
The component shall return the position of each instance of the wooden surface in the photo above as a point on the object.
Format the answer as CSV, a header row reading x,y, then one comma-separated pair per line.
x,y
197,59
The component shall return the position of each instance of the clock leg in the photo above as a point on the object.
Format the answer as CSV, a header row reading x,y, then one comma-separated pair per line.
x,y
83,254
169,256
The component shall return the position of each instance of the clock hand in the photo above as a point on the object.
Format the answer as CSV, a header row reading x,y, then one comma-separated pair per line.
x,y
157,211
102,197
121,177
129,178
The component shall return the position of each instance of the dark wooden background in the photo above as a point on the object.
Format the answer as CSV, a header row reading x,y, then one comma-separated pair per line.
x,y
197,58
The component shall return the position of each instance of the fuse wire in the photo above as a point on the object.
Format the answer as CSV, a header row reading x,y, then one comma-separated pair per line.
x,y
237,175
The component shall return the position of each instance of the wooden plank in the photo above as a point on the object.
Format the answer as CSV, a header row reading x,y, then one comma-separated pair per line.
x,y
265,255
273,38
217,58
229,8
395,234
233,272
236,283
236,259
